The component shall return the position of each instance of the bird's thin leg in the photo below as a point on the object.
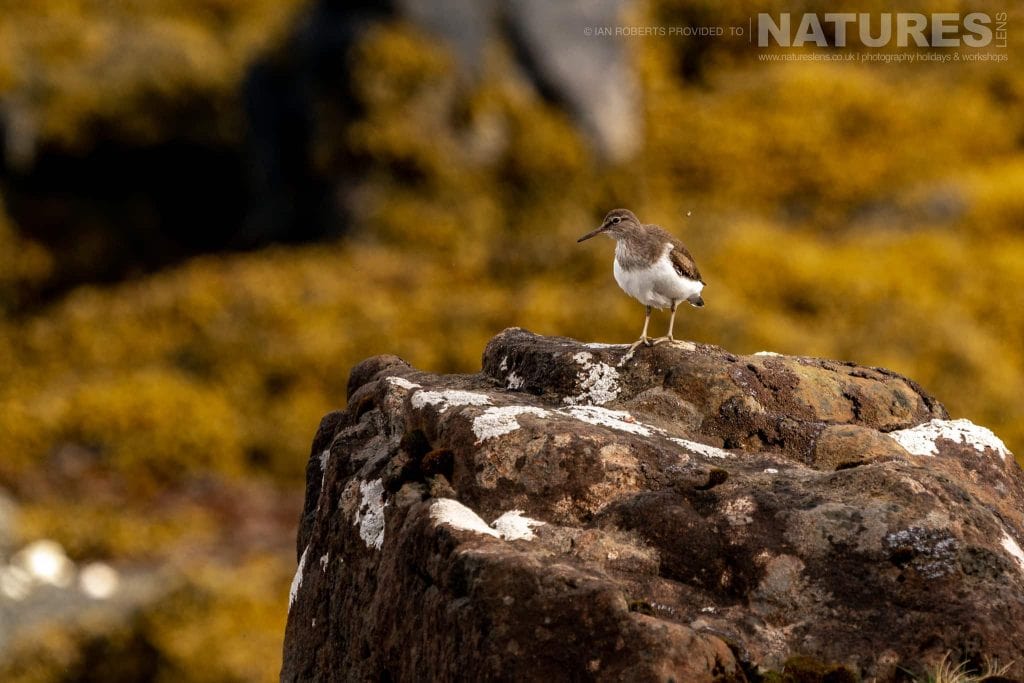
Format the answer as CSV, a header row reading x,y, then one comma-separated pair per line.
x,y
643,335
671,324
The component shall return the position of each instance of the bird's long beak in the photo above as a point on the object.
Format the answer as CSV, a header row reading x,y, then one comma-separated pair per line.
x,y
590,234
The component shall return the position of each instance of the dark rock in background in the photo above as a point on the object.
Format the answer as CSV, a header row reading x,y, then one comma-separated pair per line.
x,y
289,196
124,209
589,74
683,514
556,46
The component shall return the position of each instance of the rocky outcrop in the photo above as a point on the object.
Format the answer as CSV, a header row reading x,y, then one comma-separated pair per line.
x,y
576,513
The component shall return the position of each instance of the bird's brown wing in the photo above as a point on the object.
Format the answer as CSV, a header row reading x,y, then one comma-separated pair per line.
x,y
683,262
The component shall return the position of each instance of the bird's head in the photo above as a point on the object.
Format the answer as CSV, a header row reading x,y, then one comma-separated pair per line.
x,y
617,224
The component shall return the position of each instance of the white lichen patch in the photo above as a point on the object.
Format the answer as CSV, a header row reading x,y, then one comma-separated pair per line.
x,y
598,382
603,417
403,383
514,381
370,513
1010,546
683,344
597,346
701,448
513,526
501,420
921,440
324,459
455,514
767,353
324,559
448,398
740,511
297,579
770,470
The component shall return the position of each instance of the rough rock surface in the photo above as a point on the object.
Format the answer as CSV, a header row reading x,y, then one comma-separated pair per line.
x,y
683,514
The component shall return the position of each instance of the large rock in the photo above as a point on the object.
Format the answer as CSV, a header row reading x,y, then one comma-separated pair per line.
x,y
572,513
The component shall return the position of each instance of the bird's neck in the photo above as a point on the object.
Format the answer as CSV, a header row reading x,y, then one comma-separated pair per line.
x,y
638,251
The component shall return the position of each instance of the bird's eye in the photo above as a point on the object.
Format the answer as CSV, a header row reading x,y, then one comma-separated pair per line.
x,y
616,220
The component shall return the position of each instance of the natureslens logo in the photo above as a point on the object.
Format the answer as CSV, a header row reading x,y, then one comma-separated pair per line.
x,y
900,29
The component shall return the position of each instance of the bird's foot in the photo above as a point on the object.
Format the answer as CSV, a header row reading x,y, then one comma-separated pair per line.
x,y
646,341
661,340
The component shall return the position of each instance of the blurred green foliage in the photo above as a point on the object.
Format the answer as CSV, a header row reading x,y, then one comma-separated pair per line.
x,y
870,213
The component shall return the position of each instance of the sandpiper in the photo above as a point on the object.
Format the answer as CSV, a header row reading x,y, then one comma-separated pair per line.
x,y
651,266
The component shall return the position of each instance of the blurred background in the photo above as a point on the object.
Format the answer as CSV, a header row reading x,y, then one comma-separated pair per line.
x,y
211,209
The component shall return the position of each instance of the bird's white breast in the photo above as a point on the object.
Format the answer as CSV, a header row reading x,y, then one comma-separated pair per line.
x,y
657,285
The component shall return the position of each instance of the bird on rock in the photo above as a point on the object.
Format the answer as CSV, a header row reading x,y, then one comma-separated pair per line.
x,y
651,266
